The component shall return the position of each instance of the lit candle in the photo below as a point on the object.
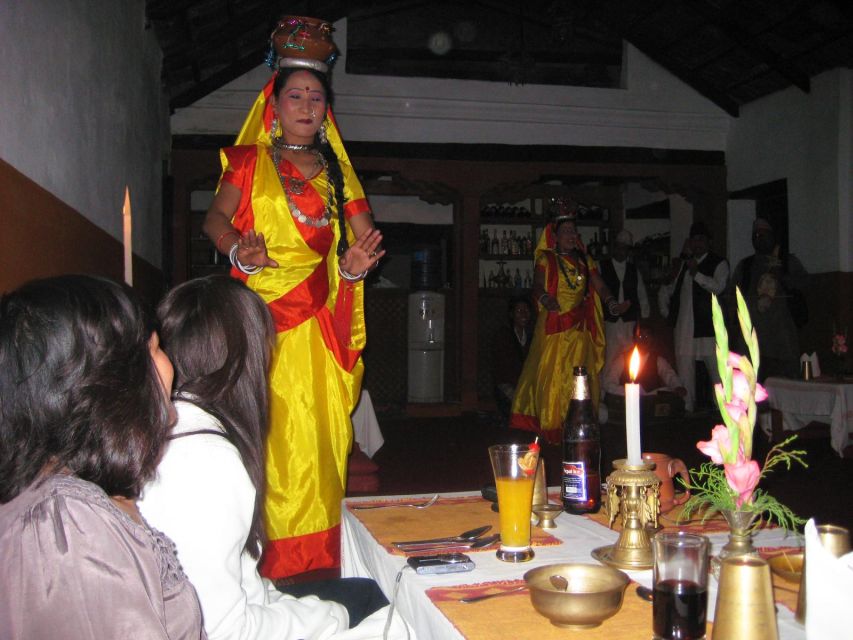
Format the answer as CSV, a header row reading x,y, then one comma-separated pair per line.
x,y
632,411
128,243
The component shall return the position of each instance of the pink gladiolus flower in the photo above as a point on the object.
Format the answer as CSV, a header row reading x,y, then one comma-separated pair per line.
x,y
718,443
743,477
740,389
735,410
734,360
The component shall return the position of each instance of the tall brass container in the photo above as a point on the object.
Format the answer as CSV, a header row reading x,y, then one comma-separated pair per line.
x,y
745,609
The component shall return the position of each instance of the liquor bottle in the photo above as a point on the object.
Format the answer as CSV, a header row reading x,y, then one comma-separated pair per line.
x,y
495,248
504,250
581,481
605,246
593,247
517,281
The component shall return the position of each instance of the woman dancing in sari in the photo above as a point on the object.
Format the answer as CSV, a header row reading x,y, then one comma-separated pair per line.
x,y
568,333
292,215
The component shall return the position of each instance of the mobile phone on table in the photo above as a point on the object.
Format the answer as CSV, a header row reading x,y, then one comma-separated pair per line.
x,y
441,563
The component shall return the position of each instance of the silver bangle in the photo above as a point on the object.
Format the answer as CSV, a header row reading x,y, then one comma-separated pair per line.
x,y
346,275
544,295
248,270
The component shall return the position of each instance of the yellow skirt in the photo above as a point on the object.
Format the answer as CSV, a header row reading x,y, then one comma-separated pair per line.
x,y
544,388
311,399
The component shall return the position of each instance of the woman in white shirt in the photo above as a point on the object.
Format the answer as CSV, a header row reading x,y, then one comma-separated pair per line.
x,y
208,493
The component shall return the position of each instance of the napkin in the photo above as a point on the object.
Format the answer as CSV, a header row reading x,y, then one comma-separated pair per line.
x,y
813,359
829,590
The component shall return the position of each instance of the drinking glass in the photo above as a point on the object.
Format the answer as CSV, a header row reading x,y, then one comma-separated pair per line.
x,y
514,466
680,608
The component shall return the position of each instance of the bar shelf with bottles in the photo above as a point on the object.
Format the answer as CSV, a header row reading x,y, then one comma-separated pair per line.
x,y
509,233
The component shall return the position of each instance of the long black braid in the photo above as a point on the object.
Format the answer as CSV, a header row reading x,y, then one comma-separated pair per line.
x,y
333,166
336,176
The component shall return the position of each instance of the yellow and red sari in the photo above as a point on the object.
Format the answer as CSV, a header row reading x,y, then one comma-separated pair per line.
x,y
572,337
316,369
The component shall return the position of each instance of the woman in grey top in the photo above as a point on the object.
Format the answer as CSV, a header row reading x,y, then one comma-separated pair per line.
x,y
84,412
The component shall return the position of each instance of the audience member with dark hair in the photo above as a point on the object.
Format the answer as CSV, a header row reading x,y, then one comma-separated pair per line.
x,y
510,345
84,412
209,490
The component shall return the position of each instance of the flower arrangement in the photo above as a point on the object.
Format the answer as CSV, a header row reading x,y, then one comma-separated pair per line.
x,y
839,349
729,482
839,344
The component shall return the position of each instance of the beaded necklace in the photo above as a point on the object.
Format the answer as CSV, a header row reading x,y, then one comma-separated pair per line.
x,y
296,187
569,273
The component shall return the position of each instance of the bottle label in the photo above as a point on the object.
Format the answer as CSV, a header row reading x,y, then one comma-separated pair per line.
x,y
574,481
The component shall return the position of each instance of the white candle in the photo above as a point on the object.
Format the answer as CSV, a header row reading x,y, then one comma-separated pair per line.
x,y
128,242
632,412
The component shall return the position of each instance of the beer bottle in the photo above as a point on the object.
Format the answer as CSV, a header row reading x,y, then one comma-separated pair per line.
x,y
581,481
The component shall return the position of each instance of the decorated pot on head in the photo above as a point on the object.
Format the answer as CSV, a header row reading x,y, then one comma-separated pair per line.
x,y
298,41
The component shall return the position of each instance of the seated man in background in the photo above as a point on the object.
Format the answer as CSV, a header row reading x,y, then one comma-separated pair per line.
x,y
509,349
656,376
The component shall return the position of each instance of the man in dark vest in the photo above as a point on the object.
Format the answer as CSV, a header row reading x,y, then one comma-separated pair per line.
x,y
626,283
687,304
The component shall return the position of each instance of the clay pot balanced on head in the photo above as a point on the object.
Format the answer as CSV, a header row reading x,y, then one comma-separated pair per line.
x,y
666,468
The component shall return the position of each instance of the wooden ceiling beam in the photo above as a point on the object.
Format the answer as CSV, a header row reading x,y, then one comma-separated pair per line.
x,y
634,35
217,80
747,41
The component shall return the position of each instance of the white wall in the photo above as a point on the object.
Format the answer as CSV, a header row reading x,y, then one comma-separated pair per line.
x,y
805,139
82,109
654,110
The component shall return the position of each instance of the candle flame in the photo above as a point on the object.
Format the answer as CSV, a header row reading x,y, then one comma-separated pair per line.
x,y
634,365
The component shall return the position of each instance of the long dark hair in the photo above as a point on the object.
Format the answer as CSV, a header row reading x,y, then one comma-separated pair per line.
x,y
333,166
78,389
218,334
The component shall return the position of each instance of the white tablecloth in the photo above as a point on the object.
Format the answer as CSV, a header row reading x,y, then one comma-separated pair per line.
x,y
362,556
802,402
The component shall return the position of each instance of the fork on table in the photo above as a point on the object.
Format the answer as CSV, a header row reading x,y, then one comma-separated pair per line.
x,y
415,505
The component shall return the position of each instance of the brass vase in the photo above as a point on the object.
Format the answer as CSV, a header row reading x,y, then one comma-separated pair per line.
x,y
741,529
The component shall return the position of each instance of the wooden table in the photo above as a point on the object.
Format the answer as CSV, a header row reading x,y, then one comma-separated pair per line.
x,y
429,603
800,403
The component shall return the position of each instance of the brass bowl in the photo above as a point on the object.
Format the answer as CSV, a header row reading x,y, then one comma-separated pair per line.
x,y
594,593
788,566
547,513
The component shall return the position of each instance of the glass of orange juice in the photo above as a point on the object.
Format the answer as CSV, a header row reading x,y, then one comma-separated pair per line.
x,y
514,466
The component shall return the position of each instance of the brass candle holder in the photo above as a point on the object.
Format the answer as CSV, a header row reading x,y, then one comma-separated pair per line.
x,y
633,494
